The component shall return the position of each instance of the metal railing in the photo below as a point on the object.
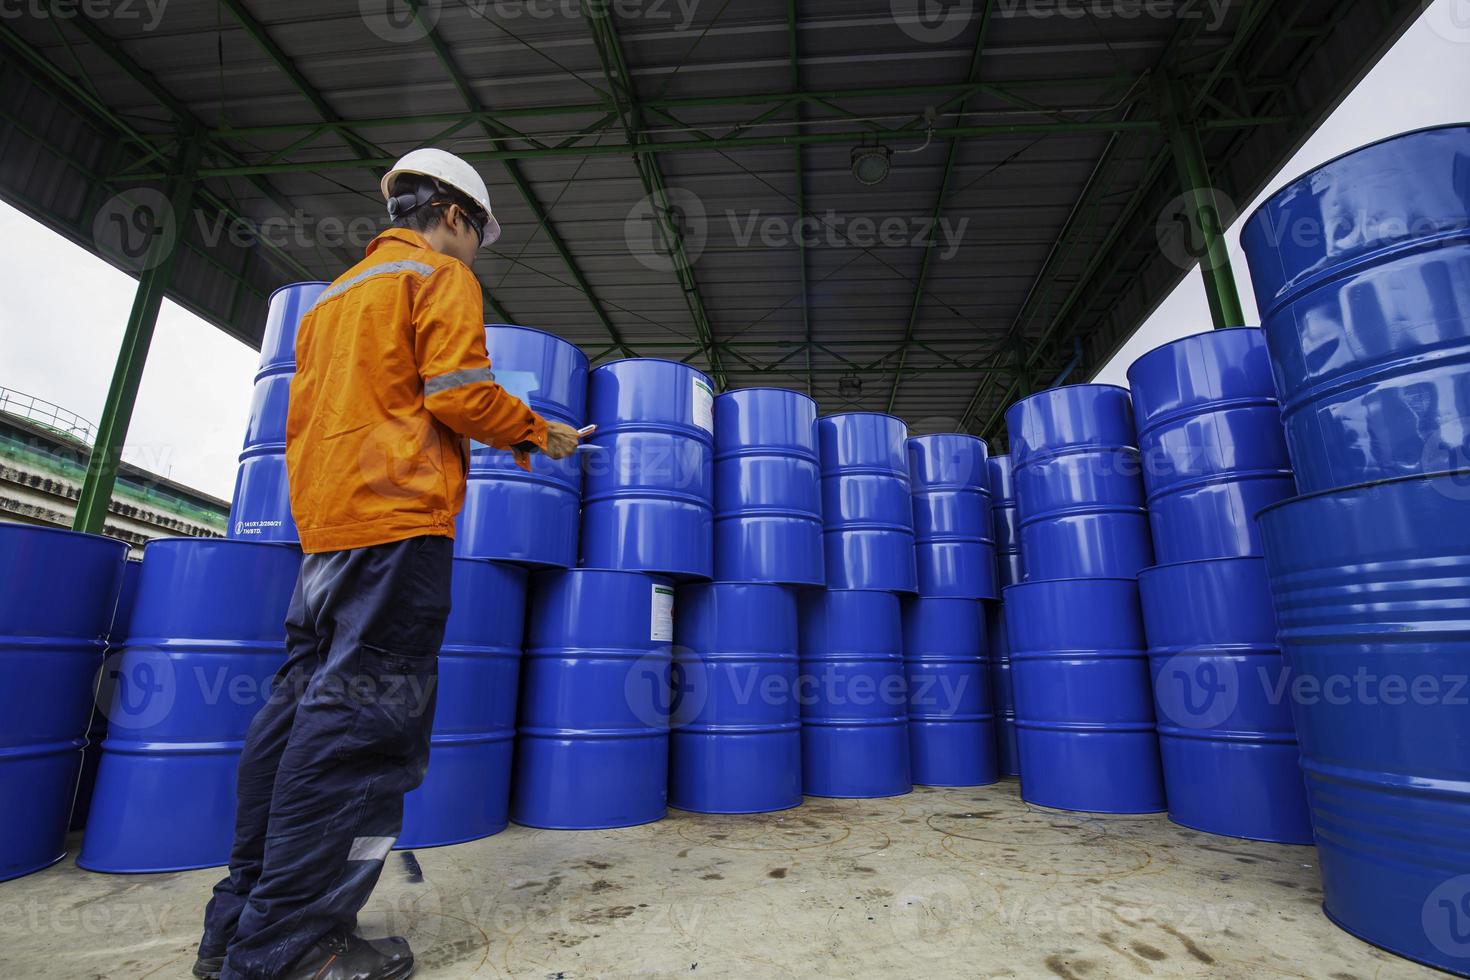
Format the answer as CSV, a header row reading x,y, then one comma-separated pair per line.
x,y
48,414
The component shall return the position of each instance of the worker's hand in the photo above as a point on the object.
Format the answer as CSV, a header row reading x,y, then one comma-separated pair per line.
x,y
561,440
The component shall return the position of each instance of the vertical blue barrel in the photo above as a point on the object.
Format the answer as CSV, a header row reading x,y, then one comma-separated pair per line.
x,y
593,746
550,375
1005,521
1214,452
122,616
1371,586
868,520
768,499
1003,693
1359,269
1078,484
951,721
466,793
736,740
1220,693
261,509
647,504
1084,707
57,593
954,545
854,695
207,635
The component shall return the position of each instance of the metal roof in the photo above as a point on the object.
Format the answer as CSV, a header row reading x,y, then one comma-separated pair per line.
x,y
1033,139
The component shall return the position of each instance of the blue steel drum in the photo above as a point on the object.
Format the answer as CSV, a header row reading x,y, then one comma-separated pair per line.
x,y
1225,731
954,545
207,635
1005,521
648,505
854,695
1214,451
261,507
1371,586
736,740
1003,693
593,746
868,520
1359,269
57,594
550,375
951,719
1078,484
1084,707
768,500
122,615
466,793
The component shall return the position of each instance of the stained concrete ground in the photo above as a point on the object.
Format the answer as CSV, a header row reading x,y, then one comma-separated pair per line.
x,y
942,882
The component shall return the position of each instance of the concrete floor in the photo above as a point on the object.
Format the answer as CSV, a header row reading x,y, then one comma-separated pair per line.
x,y
943,882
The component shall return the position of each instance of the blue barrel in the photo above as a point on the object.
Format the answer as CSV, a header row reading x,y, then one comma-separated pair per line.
x,y
954,545
1371,586
1078,484
1084,706
1225,731
122,616
57,594
593,750
736,740
1003,693
1005,521
1359,269
550,375
768,498
466,793
1214,452
951,719
853,694
261,508
207,635
868,520
648,505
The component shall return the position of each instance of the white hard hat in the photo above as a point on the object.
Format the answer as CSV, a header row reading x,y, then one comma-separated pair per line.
x,y
451,170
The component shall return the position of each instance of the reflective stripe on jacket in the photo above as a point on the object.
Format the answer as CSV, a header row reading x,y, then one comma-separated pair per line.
x,y
391,377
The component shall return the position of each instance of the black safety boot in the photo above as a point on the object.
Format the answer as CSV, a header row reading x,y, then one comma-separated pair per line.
x,y
345,957
209,967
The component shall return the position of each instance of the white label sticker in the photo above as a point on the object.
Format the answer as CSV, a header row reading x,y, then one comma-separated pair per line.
x,y
661,623
703,405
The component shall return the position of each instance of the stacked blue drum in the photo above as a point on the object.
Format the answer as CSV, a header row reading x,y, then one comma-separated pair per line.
x,y
261,509
1360,271
954,545
59,591
1209,427
867,513
647,504
1006,520
550,375
122,616
951,719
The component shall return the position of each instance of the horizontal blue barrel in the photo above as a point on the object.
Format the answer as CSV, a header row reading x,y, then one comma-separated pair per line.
x,y
648,501
207,635
1220,694
1084,706
854,695
122,615
736,740
593,750
509,514
768,498
951,718
1079,487
261,507
1005,521
465,794
1359,269
1214,451
58,590
868,520
1371,586
1003,693
954,544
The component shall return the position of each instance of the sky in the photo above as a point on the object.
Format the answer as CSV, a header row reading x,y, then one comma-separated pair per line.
x,y
64,309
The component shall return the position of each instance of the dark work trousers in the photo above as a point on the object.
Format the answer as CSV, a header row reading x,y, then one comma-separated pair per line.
x,y
344,734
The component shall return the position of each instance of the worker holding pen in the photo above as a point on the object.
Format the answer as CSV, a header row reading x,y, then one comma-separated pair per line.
x,y
392,380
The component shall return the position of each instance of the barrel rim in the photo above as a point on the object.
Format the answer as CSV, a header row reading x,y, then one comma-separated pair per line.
x,y
1217,560
505,566
711,583
785,391
950,435
193,540
294,285
651,360
1192,336
1072,578
1052,391
544,333
1365,485
90,535
658,578
886,415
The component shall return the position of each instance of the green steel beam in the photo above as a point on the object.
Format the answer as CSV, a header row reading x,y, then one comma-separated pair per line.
x,y
800,178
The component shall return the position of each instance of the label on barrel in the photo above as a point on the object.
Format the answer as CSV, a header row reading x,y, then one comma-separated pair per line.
x,y
661,626
703,406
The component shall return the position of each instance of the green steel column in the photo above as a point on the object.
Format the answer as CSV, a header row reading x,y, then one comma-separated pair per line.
x,y
117,412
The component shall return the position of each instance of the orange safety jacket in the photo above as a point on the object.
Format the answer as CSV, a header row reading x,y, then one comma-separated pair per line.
x,y
391,377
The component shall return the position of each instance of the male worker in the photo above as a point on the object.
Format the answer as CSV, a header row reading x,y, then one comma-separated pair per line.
x,y
391,377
